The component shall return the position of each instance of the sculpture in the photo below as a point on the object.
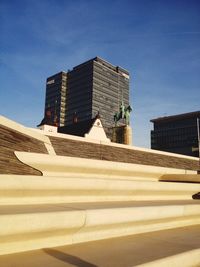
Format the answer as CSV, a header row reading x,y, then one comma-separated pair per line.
x,y
124,113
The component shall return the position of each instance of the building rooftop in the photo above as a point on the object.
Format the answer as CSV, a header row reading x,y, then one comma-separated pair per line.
x,y
104,62
77,129
177,117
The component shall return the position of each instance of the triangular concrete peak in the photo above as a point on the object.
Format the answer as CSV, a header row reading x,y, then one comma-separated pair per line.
x,y
98,123
97,132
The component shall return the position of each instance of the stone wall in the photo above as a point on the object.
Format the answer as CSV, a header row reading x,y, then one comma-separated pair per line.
x,y
74,148
10,141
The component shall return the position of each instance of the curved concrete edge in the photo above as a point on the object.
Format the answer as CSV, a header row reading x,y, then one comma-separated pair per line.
x,y
61,227
44,218
36,230
189,178
17,189
186,259
140,214
24,130
62,166
28,222
88,234
28,182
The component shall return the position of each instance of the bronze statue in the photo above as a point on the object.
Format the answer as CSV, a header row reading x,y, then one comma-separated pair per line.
x,y
124,113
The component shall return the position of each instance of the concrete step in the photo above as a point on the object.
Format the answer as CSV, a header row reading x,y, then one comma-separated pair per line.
x,y
174,247
16,189
186,178
28,227
51,165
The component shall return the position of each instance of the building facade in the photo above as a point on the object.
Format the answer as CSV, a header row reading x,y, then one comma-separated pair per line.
x,y
177,134
91,87
55,99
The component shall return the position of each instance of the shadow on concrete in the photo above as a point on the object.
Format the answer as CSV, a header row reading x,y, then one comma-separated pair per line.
x,y
196,196
68,258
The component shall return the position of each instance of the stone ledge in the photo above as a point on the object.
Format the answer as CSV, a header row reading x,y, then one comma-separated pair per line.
x,y
17,189
143,249
32,227
51,165
24,130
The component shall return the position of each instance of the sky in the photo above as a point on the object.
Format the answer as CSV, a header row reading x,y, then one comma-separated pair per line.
x,y
157,41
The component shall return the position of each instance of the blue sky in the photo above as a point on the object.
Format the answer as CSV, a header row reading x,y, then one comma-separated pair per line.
x,y
158,41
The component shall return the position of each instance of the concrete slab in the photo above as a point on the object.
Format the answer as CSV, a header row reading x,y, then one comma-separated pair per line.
x,y
27,227
25,209
24,189
187,178
51,165
117,252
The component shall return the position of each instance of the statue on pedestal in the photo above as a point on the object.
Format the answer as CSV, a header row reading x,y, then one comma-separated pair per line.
x,y
124,113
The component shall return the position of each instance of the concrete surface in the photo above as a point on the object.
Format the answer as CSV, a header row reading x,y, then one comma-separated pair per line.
x,y
187,178
175,248
24,189
27,227
51,165
79,200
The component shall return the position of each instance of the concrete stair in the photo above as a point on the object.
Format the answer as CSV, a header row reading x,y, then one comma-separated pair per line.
x,y
174,247
27,227
53,165
192,178
81,200
101,211
19,190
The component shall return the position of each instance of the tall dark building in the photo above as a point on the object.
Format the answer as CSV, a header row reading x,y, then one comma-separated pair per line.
x,y
55,100
91,87
178,134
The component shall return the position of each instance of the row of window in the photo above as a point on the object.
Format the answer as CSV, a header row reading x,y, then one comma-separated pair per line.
x,y
79,77
51,102
107,67
108,80
104,92
192,122
177,132
170,142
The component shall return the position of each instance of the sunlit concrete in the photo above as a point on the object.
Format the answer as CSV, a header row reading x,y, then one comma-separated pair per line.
x,y
27,227
175,247
189,178
97,132
109,213
22,189
51,165
22,129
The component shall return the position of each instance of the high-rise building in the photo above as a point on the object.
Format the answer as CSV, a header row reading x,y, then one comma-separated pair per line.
x,y
91,87
178,133
55,99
